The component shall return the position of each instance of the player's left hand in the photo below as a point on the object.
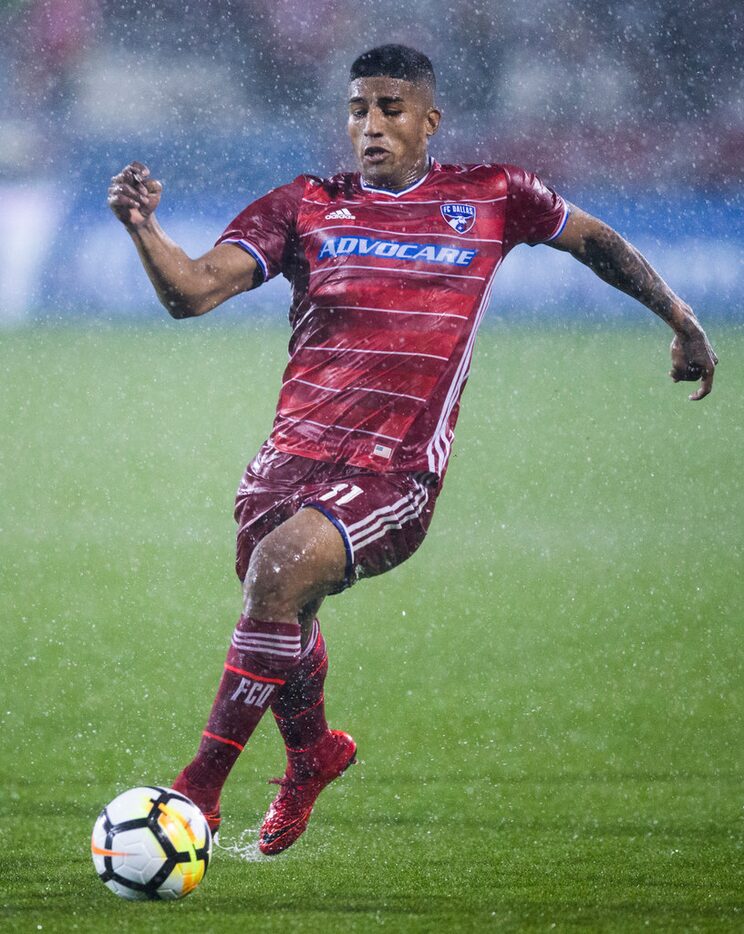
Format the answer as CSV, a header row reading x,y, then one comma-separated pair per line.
x,y
693,359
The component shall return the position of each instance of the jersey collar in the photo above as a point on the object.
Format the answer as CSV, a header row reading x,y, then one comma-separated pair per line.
x,y
402,191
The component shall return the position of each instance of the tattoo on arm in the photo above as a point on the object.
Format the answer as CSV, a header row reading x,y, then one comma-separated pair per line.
x,y
620,264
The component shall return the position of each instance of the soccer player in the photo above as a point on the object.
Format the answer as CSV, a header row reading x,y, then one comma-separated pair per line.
x,y
391,270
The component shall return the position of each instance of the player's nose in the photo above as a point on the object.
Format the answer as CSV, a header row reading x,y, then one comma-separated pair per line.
x,y
372,125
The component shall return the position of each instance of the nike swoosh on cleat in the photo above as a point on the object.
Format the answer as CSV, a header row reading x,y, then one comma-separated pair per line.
x,y
270,837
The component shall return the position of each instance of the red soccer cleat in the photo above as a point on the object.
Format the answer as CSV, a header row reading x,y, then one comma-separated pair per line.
x,y
211,814
306,776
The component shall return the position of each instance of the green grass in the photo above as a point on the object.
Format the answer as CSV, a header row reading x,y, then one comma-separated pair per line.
x,y
547,697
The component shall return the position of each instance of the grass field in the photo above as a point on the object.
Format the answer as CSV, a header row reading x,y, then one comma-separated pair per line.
x,y
547,698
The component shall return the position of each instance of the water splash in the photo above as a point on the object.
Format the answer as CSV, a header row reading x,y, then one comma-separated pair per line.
x,y
244,847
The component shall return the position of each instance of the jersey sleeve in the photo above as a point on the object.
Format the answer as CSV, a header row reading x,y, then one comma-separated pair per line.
x,y
266,228
534,212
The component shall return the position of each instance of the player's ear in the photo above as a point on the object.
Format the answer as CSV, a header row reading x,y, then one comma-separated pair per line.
x,y
433,118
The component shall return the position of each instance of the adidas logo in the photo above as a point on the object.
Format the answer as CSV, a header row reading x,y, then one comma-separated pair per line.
x,y
343,214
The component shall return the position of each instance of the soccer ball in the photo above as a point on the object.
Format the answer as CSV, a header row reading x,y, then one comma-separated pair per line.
x,y
151,843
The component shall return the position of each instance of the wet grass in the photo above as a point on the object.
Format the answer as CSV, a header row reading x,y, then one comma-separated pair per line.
x,y
547,697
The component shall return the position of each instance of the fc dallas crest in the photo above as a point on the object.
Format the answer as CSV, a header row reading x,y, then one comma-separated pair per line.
x,y
460,217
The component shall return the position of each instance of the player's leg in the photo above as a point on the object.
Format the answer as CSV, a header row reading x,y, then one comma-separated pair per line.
x,y
382,521
300,561
298,707
296,564
316,755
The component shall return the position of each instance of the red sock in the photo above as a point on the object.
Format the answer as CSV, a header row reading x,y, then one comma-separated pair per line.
x,y
261,657
298,706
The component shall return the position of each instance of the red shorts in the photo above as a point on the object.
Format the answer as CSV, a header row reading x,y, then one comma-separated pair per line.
x,y
382,517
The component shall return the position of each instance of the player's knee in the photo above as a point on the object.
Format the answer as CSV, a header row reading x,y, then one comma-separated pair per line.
x,y
301,561
274,582
265,578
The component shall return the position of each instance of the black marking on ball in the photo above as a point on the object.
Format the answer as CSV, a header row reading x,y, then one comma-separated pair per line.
x,y
160,876
134,824
129,883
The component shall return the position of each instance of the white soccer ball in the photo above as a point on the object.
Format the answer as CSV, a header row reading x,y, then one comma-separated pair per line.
x,y
151,843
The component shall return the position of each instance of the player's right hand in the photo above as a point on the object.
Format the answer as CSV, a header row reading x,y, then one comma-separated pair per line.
x,y
133,196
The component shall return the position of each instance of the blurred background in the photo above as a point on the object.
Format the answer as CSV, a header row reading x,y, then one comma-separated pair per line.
x,y
633,110
548,696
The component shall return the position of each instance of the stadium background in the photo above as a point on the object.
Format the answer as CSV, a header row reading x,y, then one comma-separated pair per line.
x,y
548,696
632,110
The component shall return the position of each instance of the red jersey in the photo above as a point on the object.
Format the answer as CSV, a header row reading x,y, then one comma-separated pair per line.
x,y
389,288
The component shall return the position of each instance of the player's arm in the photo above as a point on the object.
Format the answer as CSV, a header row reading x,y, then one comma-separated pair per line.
x,y
618,262
186,287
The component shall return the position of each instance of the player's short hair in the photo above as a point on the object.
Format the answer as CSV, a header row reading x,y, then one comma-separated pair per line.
x,y
394,61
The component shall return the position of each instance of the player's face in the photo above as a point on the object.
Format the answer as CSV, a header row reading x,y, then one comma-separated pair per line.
x,y
390,122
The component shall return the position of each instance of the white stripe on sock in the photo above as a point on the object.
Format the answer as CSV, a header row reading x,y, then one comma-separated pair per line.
x,y
312,641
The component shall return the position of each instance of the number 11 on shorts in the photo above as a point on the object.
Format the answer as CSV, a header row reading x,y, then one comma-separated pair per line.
x,y
347,497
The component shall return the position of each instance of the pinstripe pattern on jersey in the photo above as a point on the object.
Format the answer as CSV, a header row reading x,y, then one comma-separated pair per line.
x,y
437,451
398,233
342,266
344,428
386,353
384,392
382,344
402,311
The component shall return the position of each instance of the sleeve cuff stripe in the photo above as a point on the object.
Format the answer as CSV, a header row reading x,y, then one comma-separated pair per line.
x,y
254,252
562,224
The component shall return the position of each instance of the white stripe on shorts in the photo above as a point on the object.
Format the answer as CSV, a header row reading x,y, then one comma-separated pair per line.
x,y
389,526
394,522
356,528
388,518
